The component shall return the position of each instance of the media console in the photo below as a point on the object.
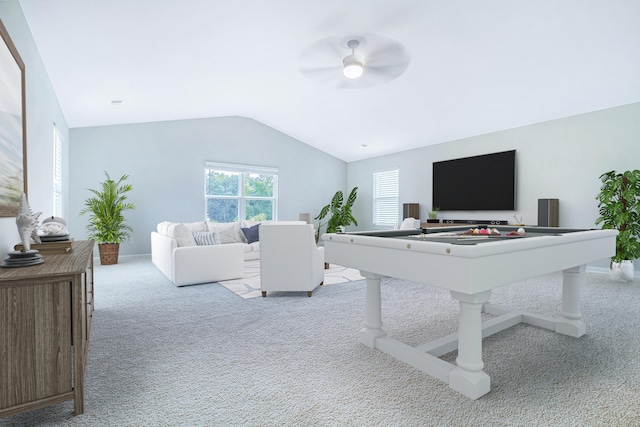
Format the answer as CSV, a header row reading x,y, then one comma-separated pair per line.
x,y
476,221
458,222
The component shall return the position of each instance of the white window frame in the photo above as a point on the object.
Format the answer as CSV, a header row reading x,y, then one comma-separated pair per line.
x,y
242,170
386,189
57,172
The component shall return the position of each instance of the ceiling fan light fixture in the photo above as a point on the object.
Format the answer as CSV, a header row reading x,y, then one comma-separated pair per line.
x,y
368,60
353,67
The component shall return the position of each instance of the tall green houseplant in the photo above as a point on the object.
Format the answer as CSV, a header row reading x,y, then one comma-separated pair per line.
x,y
619,209
340,210
107,225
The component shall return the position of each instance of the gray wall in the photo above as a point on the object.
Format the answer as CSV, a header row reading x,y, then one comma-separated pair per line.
x,y
43,110
560,159
165,161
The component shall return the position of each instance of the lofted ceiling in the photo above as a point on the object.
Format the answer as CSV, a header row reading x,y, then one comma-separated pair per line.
x,y
475,67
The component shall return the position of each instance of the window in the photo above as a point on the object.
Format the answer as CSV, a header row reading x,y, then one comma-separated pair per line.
x,y
238,192
57,172
385,198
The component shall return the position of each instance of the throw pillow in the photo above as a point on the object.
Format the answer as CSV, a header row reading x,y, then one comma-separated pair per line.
x,y
204,238
228,232
246,223
182,234
252,233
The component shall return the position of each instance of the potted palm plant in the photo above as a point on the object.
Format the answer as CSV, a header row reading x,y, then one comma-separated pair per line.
x,y
340,210
107,225
619,209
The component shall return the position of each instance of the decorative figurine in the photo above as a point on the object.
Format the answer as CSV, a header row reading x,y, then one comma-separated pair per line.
x,y
27,223
518,219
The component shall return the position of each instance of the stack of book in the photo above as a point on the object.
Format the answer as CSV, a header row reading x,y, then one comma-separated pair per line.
x,y
53,247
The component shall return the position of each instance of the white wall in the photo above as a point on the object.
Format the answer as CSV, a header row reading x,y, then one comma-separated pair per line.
x,y
165,161
560,159
43,110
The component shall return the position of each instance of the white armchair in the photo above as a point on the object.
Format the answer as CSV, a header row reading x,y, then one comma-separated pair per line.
x,y
290,260
410,223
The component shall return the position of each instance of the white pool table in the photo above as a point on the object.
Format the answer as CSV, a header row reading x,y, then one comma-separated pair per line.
x,y
469,267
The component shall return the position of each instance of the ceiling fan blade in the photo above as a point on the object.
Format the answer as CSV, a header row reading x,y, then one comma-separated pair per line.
x,y
392,70
387,54
389,60
320,69
319,72
326,51
384,60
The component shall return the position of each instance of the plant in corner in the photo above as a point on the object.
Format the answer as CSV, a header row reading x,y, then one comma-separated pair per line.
x,y
619,209
106,223
340,210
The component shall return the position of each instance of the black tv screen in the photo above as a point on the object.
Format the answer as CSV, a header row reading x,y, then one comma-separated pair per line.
x,y
486,182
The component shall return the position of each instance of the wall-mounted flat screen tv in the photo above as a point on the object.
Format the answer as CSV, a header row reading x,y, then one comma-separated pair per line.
x,y
486,182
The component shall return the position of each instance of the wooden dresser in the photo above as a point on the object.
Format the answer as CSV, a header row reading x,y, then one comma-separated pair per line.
x,y
45,320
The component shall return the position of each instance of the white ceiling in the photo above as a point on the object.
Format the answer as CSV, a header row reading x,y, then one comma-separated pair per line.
x,y
476,66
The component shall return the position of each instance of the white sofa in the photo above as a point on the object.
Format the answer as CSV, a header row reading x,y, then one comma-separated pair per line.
x,y
204,252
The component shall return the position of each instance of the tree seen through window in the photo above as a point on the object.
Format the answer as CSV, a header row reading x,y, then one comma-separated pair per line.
x,y
234,193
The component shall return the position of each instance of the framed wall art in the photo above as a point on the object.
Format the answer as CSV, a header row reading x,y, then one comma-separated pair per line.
x,y
13,138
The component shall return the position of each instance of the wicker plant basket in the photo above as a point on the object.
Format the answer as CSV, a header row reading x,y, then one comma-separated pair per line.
x,y
108,253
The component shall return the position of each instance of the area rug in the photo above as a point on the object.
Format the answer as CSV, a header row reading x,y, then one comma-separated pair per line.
x,y
249,285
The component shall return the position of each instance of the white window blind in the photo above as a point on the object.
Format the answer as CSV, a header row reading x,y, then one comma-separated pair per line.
x,y
385,197
57,172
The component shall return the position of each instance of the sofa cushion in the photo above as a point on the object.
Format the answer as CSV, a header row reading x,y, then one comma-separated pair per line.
x,y
252,233
163,227
204,238
245,248
196,226
228,232
181,233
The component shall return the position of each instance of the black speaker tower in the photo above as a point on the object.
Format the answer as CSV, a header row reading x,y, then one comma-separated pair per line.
x,y
411,210
548,212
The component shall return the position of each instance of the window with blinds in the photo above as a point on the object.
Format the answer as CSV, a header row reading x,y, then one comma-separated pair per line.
x,y
57,172
385,197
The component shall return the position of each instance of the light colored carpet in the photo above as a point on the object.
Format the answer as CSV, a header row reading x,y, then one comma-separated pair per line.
x,y
201,356
249,285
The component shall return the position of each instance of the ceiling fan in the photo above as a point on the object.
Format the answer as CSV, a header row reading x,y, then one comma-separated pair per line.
x,y
354,61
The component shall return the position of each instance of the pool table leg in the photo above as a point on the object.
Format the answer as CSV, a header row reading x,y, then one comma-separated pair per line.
x,y
373,316
571,321
468,377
